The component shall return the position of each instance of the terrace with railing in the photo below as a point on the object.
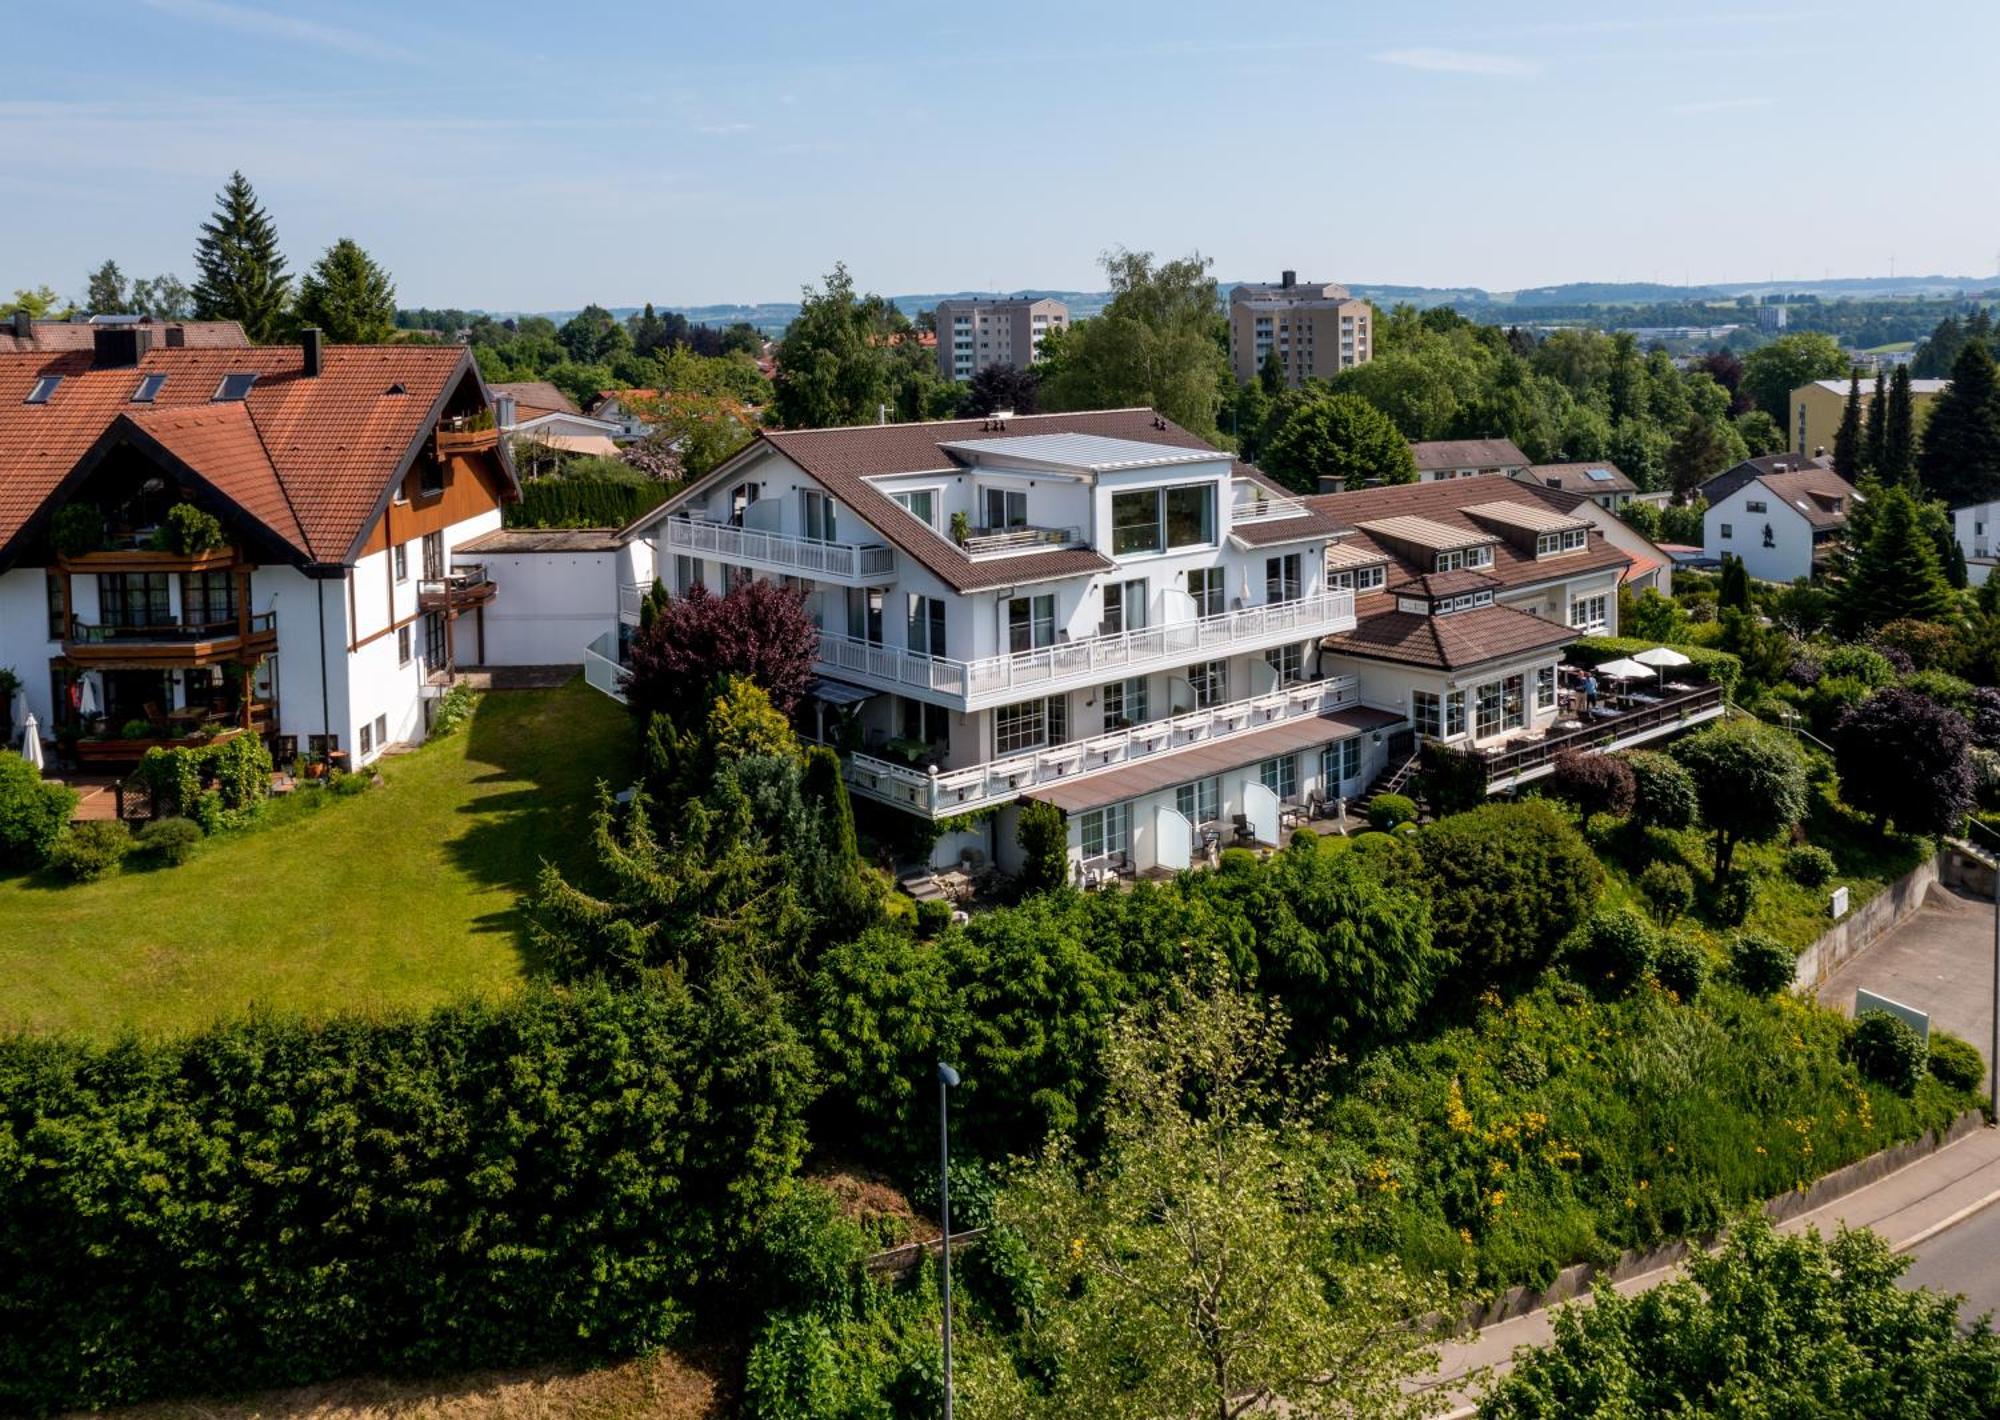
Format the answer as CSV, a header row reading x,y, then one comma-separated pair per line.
x,y
998,542
780,552
1252,502
1087,660
466,585
940,793
170,641
1636,720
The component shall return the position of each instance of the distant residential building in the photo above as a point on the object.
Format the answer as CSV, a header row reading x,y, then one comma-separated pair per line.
x,y
973,334
619,407
1773,316
1603,482
1779,524
1442,459
1736,475
1817,409
1316,330
22,333
535,411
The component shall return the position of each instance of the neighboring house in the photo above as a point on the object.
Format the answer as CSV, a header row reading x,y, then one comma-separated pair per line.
x,y
973,334
1317,330
1779,524
616,407
1817,409
22,334
1977,528
536,412
1736,475
1603,482
565,587
346,481
1652,566
1100,611
1439,460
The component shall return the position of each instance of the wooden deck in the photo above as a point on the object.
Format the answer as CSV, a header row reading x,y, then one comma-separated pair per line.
x,y
98,797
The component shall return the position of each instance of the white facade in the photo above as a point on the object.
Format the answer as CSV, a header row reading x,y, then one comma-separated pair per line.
x,y
1977,528
1773,539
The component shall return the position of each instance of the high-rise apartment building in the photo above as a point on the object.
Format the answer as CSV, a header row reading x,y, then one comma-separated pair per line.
x,y
973,334
1316,331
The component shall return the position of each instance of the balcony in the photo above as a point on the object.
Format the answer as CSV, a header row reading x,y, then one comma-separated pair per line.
x,y
1252,502
168,645
981,543
847,563
1090,660
1000,781
1643,718
466,434
462,589
134,552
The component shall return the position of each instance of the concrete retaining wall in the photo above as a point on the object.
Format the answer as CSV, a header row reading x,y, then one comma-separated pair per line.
x,y
1863,926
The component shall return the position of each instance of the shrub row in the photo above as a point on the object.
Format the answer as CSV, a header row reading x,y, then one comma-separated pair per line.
x,y
582,503
273,1203
1717,667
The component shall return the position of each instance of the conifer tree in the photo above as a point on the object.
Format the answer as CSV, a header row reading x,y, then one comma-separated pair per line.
x,y
1899,439
1896,575
1847,450
239,271
348,296
106,294
1961,458
1735,589
1878,414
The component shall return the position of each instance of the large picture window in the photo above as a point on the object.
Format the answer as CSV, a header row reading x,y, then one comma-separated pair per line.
x,y
1125,703
1158,519
1031,724
208,598
133,599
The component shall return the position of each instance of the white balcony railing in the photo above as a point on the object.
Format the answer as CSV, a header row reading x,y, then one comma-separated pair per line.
x,y
631,596
1090,659
1254,503
752,547
1001,542
601,670
999,781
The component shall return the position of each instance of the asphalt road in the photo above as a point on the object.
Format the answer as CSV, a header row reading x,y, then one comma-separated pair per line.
x,y
1940,961
1965,1259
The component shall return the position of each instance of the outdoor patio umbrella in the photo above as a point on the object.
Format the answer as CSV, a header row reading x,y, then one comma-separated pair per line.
x,y
87,704
1624,670
1662,657
31,743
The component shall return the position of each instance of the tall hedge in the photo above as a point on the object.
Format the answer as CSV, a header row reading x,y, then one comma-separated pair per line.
x,y
273,1203
1705,663
582,503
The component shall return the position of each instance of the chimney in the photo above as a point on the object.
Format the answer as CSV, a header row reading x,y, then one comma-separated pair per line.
x,y
119,347
24,324
309,351
1289,279
1332,483
177,336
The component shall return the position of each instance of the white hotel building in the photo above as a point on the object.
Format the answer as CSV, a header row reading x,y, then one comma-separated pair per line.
x,y
1102,612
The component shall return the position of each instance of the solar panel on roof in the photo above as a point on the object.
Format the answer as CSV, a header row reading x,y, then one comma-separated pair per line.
x,y
234,386
149,389
44,387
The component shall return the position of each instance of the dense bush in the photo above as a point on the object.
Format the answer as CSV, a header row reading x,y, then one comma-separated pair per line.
x,y
1956,1063
454,708
1809,865
1734,897
85,852
1749,780
1680,967
33,811
1595,783
1616,952
1850,661
1044,839
1663,793
1760,964
171,840
583,502
1507,883
273,1203
1668,889
1889,1051
239,767
1387,812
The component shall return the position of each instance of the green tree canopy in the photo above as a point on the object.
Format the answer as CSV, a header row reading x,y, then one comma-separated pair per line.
x,y
239,271
107,294
1750,781
832,367
1771,372
1311,434
1161,342
1899,433
348,296
1961,453
1892,567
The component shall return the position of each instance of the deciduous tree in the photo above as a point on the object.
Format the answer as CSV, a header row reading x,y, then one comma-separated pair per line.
x,y
107,294
1750,782
1771,372
1905,759
1159,342
1311,434
760,630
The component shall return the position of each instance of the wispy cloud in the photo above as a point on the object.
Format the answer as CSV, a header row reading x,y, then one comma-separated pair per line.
x,y
290,28
723,129
1456,61
1723,105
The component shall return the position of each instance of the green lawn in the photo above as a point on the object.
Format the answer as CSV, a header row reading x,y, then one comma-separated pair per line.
x,y
404,896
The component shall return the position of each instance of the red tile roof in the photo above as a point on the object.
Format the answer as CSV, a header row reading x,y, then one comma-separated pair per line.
x,y
334,445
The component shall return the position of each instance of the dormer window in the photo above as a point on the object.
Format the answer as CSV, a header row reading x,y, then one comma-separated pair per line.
x,y
1568,540
1452,561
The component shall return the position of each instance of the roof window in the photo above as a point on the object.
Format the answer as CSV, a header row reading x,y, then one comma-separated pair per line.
x,y
235,387
149,389
44,387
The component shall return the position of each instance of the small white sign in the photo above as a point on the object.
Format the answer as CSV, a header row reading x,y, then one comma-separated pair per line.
x,y
1839,903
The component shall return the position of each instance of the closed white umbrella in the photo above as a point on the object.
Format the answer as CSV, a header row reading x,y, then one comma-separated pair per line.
x,y
31,743
87,705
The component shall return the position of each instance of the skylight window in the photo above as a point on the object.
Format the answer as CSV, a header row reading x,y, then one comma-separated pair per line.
x,y
44,387
149,389
1600,475
234,387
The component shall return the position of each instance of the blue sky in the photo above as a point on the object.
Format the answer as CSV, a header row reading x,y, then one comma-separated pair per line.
x,y
540,156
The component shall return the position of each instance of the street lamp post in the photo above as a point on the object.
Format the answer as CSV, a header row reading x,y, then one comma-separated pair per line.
x,y
947,1077
1993,1036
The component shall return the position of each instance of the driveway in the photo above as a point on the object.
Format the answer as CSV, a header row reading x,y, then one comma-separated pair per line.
x,y
1939,961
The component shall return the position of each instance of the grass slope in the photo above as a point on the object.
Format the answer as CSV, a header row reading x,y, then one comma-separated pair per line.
x,y
404,896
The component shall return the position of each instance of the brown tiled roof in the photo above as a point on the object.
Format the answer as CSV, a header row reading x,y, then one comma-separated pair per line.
x,y
52,336
1446,584
1197,761
843,459
1736,475
1467,453
1575,477
502,540
1805,489
534,398
1446,503
1453,642
335,444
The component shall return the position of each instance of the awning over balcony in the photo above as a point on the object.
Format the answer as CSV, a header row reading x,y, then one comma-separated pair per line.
x,y
1201,760
838,692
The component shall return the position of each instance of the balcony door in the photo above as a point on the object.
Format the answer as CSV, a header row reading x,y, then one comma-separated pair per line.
x,y
1006,508
133,599
926,625
816,516
1031,623
433,556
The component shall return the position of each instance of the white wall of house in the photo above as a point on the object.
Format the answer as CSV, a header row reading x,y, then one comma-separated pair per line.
x,y
1773,538
25,646
1977,528
546,607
